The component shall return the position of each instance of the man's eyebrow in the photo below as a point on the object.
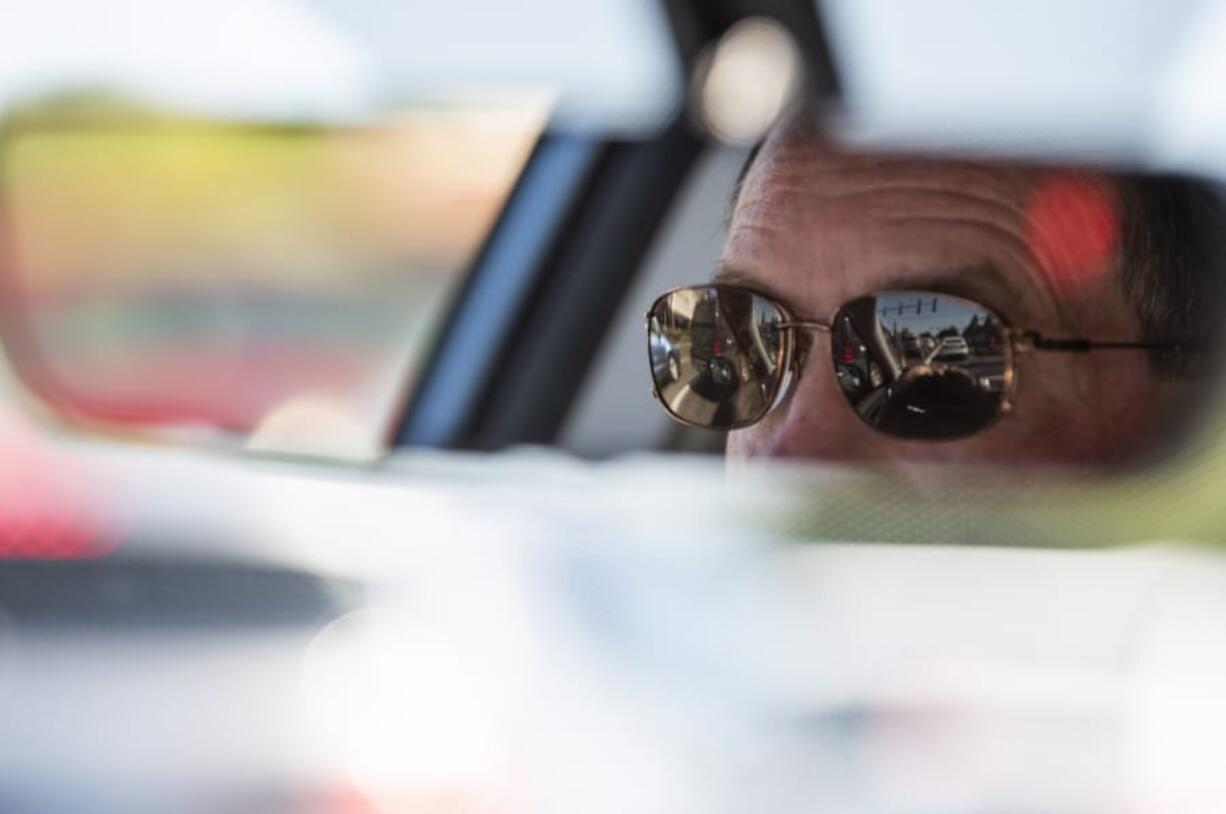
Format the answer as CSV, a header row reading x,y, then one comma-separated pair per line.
x,y
732,275
982,282
736,275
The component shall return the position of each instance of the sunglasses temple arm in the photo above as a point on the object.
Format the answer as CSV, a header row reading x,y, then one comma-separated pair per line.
x,y
1032,340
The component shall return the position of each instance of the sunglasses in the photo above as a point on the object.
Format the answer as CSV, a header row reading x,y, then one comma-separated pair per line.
x,y
918,365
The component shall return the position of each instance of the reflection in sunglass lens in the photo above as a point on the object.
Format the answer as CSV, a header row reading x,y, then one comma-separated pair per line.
x,y
717,354
919,365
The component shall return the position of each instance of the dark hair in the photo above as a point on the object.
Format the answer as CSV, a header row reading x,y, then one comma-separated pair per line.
x,y
1173,241
750,158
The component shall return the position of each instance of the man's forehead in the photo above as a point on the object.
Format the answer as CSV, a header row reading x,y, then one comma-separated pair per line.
x,y
805,202
799,164
862,217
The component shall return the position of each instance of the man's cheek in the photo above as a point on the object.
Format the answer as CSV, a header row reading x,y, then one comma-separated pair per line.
x,y
738,446
1065,412
813,422
760,440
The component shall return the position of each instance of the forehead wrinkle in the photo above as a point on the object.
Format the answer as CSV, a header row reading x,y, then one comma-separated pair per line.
x,y
818,160
785,196
1015,251
1004,190
772,218
763,244
1010,240
802,187
785,182
1008,210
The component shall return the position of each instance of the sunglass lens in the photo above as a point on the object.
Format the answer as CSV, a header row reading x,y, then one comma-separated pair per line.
x,y
716,353
920,365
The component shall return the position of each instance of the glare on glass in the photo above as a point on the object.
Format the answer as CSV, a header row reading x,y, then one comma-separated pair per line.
x,y
912,364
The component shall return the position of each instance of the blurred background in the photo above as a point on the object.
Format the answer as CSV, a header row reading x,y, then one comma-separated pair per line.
x,y
331,479
233,278
218,242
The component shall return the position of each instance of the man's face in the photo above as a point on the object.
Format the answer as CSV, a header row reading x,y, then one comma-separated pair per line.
x,y
815,229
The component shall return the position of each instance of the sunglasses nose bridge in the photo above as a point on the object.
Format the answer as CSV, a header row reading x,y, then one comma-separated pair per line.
x,y
803,336
806,325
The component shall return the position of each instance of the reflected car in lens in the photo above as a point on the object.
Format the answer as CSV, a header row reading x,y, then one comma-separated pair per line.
x,y
911,348
953,349
665,359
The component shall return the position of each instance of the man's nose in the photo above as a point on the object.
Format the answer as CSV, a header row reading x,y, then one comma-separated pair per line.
x,y
813,422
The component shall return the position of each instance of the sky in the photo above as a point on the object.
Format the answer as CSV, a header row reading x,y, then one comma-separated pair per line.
x,y
949,312
610,60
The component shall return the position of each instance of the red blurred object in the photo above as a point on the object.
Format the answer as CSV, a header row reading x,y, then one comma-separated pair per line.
x,y
1073,228
49,507
230,392
344,799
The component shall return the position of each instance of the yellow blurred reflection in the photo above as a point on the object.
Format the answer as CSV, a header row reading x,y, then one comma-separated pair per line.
x,y
202,275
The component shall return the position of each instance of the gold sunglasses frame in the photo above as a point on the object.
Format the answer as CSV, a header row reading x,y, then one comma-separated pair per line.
x,y
791,368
